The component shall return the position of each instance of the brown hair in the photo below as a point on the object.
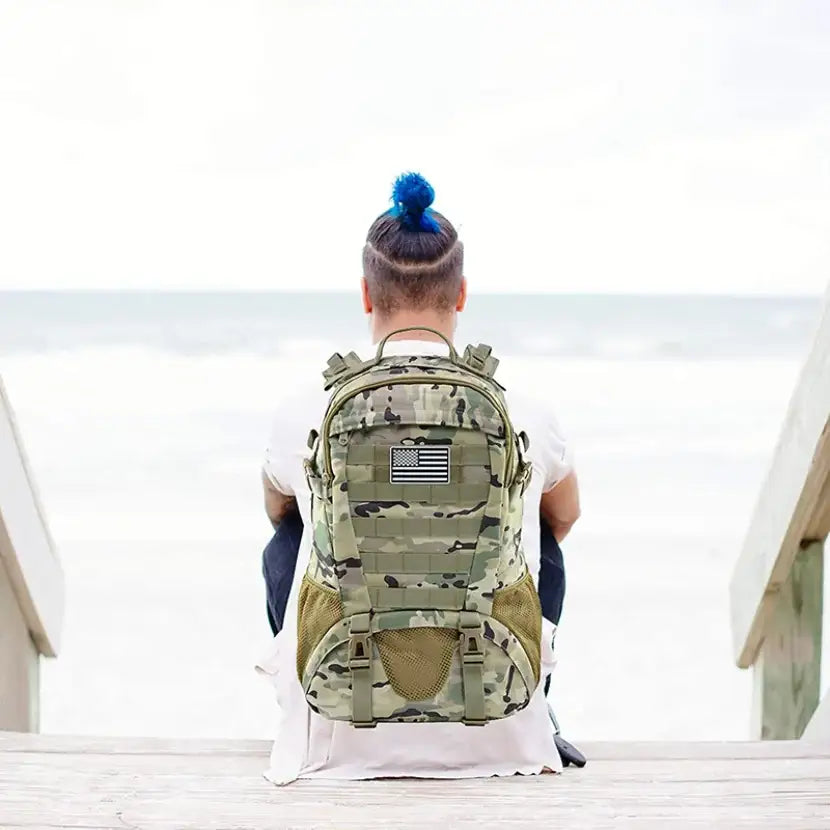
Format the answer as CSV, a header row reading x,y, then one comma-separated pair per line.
x,y
413,258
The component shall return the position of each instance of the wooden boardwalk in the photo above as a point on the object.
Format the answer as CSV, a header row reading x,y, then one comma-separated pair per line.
x,y
153,784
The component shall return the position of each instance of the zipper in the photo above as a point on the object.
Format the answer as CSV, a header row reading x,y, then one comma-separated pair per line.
x,y
425,378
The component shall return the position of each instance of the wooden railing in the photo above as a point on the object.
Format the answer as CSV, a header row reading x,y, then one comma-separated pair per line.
x,y
31,583
776,590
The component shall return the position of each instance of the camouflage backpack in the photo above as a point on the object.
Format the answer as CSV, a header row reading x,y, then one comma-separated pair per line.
x,y
417,605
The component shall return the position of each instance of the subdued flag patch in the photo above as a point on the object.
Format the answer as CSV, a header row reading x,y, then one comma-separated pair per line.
x,y
419,465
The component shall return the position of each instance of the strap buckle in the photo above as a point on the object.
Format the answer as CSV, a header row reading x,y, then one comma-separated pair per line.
x,y
317,484
525,475
525,468
359,651
472,659
360,662
471,655
359,648
472,651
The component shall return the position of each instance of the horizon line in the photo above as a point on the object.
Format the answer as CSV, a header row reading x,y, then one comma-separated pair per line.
x,y
350,292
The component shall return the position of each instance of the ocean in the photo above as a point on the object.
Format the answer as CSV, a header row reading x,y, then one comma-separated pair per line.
x,y
145,416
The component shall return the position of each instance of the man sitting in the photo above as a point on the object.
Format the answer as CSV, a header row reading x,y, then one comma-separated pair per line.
x,y
413,276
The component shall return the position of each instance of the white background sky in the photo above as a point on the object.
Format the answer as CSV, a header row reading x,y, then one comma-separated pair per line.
x,y
580,146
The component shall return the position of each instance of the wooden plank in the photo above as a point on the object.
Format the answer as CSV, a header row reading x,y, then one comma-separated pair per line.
x,y
219,791
789,503
788,669
113,745
11,742
19,668
26,547
201,772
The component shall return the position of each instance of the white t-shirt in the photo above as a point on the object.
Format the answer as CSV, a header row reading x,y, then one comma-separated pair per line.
x,y
309,745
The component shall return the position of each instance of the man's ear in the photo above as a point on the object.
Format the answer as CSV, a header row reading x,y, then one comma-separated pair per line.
x,y
462,295
364,293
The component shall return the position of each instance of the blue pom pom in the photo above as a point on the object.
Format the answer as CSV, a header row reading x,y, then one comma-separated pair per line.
x,y
412,195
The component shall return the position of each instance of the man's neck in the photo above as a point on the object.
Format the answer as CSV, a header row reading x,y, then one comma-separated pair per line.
x,y
442,323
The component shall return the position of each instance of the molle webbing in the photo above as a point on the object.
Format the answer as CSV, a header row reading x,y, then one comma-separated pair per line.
x,y
444,545
447,599
416,563
420,580
419,560
457,528
437,494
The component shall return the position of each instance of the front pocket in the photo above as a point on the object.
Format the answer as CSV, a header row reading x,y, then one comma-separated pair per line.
x,y
420,697
417,661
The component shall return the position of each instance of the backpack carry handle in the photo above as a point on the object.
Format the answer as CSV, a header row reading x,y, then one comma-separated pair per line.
x,y
453,353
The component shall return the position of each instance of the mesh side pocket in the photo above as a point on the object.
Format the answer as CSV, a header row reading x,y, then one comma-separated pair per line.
x,y
517,608
318,609
417,661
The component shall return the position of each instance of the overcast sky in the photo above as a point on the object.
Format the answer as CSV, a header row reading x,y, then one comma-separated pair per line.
x,y
580,146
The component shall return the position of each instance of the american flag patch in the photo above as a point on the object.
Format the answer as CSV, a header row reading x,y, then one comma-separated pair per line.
x,y
419,465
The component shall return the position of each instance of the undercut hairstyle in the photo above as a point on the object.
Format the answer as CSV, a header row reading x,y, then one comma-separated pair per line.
x,y
413,258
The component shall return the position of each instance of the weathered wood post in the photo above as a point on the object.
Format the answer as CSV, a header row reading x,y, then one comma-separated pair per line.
x,y
788,667
31,583
777,585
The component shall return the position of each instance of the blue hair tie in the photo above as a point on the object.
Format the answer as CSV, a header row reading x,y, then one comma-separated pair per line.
x,y
411,197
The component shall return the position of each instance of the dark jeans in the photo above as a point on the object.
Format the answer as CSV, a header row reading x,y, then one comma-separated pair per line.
x,y
279,559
